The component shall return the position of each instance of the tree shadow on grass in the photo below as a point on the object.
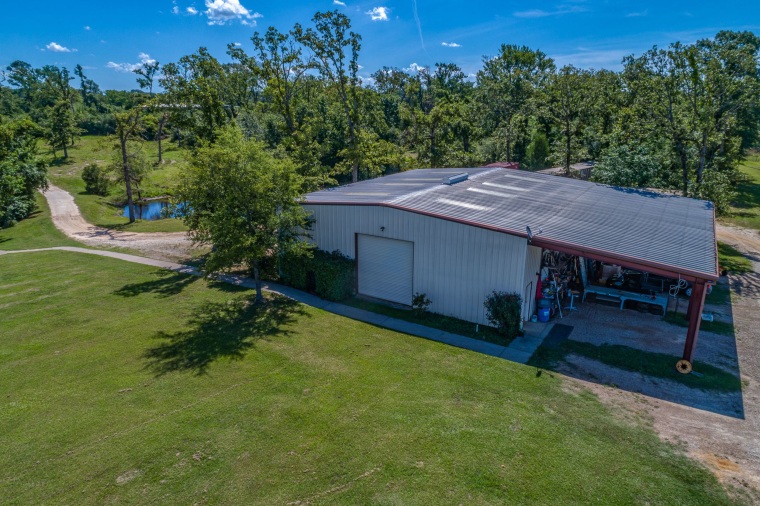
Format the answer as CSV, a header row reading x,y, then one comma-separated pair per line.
x,y
165,284
220,330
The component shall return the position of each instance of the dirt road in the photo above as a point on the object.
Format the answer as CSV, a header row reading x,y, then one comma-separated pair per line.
x,y
67,218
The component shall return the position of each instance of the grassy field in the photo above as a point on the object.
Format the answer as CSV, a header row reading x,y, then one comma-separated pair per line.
x,y
36,231
745,211
124,384
107,211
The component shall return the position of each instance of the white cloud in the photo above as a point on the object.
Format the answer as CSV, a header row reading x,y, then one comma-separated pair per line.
x,y
57,48
220,12
338,2
175,10
238,44
378,13
414,68
192,11
637,14
131,67
559,11
450,44
87,28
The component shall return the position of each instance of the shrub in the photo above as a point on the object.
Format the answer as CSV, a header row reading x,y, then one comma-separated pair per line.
x,y
503,311
96,179
333,275
294,269
420,304
330,275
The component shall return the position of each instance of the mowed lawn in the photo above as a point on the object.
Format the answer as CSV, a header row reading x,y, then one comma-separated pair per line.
x,y
126,384
745,210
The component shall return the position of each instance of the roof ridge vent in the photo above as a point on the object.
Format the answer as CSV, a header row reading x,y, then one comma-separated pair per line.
x,y
456,178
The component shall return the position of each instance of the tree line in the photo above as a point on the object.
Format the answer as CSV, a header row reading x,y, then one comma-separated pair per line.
x,y
679,118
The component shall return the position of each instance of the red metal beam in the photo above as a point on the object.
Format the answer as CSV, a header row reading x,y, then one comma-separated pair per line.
x,y
696,304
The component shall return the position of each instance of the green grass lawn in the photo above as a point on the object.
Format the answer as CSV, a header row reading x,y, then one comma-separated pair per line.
x,y
125,384
108,211
649,363
36,231
745,210
732,260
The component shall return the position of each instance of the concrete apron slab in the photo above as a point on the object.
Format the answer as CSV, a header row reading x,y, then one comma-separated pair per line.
x,y
520,350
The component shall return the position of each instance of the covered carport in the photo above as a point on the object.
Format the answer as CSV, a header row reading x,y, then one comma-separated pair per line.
x,y
697,280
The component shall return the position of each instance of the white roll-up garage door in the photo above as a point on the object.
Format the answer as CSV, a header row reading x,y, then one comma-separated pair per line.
x,y
386,268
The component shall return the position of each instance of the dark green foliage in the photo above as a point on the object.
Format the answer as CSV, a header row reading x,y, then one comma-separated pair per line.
x,y
329,275
628,165
537,154
503,311
333,275
294,270
96,180
22,172
420,304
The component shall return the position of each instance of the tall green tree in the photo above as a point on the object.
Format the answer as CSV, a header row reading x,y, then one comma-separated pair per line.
x,y
147,74
336,53
566,103
507,84
283,68
129,166
243,201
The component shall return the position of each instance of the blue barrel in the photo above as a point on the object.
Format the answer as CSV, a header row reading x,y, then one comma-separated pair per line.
x,y
543,314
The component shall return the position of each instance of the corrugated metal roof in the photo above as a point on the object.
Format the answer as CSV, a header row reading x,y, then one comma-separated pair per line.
x,y
674,232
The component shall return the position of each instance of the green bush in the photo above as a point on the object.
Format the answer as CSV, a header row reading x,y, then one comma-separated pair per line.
x,y
333,275
294,270
503,311
329,275
96,179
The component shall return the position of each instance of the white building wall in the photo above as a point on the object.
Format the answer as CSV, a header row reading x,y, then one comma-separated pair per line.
x,y
456,265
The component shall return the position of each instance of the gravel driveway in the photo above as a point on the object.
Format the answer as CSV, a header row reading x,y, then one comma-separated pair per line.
x,y
67,218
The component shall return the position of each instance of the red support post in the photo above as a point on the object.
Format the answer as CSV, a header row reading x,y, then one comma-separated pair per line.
x,y
696,304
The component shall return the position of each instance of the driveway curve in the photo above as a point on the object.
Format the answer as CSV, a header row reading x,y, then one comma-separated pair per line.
x,y
69,220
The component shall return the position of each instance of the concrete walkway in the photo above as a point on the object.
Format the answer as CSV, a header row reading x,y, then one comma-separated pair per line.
x,y
520,350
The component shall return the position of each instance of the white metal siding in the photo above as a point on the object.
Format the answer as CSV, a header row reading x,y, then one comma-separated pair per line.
x,y
455,265
386,267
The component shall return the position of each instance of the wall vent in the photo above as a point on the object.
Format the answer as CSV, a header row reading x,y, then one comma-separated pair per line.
x,y
456,178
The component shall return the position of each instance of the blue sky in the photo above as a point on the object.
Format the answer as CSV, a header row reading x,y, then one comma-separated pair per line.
x,y
107,37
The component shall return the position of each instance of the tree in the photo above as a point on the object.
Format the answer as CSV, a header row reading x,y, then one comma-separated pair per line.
x,y
239,198
566,103
22,172
129,128
147,74
329,40
283,69
506,86
61,127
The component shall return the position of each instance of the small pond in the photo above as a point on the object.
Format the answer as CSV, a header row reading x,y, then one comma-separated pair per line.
x,y
151,210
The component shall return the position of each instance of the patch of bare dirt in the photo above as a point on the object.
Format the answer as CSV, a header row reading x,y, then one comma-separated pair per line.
x,y
67,218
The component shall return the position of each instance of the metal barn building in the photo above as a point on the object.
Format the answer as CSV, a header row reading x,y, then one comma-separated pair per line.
x,y
458,234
